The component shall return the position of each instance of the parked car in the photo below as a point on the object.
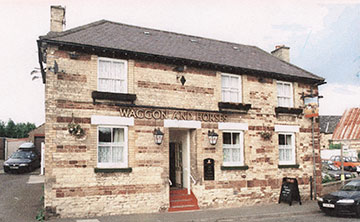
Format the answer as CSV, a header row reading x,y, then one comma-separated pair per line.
x,y
344,201
334,172
25,159
350,164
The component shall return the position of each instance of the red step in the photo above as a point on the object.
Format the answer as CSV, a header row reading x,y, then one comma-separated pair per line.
x,y
180,200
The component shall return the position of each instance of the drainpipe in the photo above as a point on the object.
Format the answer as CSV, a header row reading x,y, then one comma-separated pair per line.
x,y
313,152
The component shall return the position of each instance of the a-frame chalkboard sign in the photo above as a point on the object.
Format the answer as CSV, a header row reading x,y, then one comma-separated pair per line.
x,y
289,191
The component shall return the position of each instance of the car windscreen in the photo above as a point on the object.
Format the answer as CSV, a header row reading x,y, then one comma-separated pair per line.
x,y
351,186
21,155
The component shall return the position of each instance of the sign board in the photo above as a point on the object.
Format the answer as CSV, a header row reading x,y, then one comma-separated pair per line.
x,y
209,173
311,107
289,191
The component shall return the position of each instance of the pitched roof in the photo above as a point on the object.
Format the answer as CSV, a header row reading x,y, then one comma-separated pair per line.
x,y
349,126
118,36
328,123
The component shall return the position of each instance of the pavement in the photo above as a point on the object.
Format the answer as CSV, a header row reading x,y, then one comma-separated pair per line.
x,y
250,213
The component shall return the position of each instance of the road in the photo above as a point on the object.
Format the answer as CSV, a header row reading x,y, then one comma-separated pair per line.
x,y
19,199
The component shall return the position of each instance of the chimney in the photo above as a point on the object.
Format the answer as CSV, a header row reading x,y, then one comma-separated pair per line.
x,y
282,52
57,18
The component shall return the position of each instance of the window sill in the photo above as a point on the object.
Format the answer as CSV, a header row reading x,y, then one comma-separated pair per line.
x,y
224,106
113,170
234,167
124,97
288,110
288,166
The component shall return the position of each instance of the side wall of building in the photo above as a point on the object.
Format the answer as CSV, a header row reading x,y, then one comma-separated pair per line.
x,y
73,188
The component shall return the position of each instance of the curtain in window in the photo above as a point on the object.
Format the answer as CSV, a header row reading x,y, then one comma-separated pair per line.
x,y
284,94
111,145
285,147
230,88
111,76
232,152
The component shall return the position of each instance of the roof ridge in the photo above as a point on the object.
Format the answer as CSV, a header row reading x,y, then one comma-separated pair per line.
x,y
177,33
288,63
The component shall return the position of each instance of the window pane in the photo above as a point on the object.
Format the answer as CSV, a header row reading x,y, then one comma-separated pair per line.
x,y
234,97
104,69
281,154
104,154
288,140
236,138
280,89
117,154
227,154
225,81
104,135
286,90
281,139
234,82
118,135
118,70
236,155
226,138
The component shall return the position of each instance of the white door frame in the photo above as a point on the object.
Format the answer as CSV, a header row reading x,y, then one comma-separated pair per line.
x,y
186,161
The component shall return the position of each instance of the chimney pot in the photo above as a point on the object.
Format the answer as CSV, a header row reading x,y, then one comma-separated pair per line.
x,y
57,18
282,52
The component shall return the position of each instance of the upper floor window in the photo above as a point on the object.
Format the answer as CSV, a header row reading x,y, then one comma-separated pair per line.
x,y
233,148
112,75
112,147
286,148
231,88
284,94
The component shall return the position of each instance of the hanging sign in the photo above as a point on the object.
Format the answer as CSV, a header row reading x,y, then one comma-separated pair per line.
x,y
311,107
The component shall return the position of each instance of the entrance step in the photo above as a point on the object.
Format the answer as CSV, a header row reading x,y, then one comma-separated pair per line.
x,y
180,200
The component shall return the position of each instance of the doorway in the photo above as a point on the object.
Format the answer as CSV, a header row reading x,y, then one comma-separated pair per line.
x,y
179,159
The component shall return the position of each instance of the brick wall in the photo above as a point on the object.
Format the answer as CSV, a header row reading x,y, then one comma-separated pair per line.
x,y
73,188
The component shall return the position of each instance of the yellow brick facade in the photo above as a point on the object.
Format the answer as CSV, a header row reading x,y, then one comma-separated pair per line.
x,y
73,188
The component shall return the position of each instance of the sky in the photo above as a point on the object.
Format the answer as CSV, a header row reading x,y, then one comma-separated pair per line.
x,y
323,36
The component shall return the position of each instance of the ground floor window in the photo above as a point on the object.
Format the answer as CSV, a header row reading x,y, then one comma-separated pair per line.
x,y
112,147
286,148
233,150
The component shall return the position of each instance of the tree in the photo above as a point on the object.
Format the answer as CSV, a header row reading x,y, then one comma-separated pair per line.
x,y
12,130
2,128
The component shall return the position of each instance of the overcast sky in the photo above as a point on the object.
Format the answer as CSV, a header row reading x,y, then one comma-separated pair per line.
x,y
323,36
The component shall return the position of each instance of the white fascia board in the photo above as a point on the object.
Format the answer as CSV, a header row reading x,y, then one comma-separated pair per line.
x,y
112,120
186,124
287,128
233,126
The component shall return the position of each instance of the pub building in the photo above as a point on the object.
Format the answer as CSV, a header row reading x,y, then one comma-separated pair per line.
x,y
141,120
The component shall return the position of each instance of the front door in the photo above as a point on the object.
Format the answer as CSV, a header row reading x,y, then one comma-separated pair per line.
x,y
175,165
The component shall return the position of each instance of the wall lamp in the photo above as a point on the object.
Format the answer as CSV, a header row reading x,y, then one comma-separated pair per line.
x,y
158,136
212,137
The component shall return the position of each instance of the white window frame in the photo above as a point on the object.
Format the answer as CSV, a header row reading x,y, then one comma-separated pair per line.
x,y
239,89
291,97
125,88
241,144
124,164
293,149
